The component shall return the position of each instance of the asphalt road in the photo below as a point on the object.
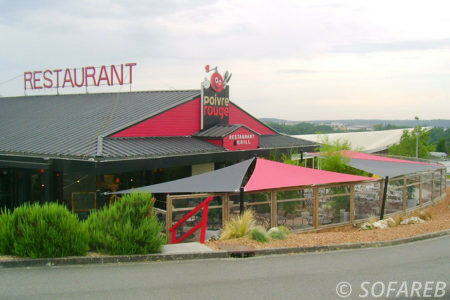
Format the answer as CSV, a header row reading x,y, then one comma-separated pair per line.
x,y
299,276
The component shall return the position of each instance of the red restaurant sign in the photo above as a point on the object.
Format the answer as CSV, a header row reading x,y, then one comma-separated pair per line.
x,y
241,139
81,77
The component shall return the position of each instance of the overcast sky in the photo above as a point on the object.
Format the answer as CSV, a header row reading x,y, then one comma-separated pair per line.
x,y
295,60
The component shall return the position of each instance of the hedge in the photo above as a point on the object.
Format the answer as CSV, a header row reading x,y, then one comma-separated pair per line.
x,y
129,226
35,231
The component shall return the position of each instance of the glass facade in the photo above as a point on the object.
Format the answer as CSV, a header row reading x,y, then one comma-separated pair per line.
x,y
19,186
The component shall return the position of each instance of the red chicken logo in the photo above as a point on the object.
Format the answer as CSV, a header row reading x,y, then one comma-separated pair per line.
x,y
217,82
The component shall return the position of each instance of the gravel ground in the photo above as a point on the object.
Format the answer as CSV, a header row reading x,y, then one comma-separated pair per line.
x,y
440,221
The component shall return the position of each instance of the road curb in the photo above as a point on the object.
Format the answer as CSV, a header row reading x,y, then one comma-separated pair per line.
x,y
293,250
83,260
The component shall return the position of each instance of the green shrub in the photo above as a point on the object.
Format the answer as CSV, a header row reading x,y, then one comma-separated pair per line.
x,y
284,229
259,234
129,226
239,226
6,232
50,230
277,235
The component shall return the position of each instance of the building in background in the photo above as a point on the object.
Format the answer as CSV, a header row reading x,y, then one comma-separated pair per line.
x,y
366,141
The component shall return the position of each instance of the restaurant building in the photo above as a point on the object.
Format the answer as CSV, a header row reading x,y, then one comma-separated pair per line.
x,y
72,148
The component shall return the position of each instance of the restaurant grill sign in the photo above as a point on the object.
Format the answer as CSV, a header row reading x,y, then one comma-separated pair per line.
x,y
215,108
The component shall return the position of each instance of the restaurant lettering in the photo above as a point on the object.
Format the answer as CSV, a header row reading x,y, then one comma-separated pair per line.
x,y
242,139
81,77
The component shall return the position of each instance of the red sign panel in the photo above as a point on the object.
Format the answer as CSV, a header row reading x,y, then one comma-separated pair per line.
x,y
241,139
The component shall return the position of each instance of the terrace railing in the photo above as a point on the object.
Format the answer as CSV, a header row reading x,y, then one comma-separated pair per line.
x,y
308,207
202,224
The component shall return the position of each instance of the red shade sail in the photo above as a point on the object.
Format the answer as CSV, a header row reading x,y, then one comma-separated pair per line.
x,y
359,155
274,175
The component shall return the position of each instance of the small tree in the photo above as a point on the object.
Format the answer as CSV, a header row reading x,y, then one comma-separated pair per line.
x,y
407,144
333,160
35,231
6,232
441,146
129,226
287,158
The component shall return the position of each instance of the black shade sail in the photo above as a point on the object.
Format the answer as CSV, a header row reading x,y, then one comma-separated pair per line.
x,y
386,166
389,168
228,179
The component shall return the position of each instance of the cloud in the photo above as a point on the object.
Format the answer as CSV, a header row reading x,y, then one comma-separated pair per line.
x,y
320,57
405,45
311,72
298,71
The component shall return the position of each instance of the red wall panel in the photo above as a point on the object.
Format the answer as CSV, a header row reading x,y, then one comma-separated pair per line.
x,y
179,121
237,116
216,142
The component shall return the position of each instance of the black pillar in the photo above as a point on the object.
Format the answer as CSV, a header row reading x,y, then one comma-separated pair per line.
x,y
241,200
386,182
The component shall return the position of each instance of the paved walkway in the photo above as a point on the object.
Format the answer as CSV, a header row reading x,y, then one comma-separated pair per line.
x,y
185,248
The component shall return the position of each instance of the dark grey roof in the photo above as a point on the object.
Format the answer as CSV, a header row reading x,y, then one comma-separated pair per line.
x,y
155,146
219,131
68,125
228,179
280,140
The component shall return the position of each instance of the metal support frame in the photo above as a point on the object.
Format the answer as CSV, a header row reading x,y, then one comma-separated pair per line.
x,y
432,185
225,209
316,207
420,189
405,196
273,210
352,203
168,216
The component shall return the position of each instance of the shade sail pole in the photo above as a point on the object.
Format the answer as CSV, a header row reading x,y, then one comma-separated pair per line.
x,y
241,200
383,203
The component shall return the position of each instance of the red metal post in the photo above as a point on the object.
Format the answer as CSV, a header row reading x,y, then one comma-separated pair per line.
x,y
204,224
